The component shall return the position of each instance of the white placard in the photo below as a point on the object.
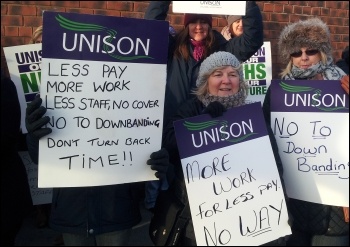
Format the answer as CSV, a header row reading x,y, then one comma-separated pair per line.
x,y
210,7
39,196
257,73
24,64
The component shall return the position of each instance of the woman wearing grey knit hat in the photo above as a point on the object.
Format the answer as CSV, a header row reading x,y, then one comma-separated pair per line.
x,y
306,49
220,86
196,41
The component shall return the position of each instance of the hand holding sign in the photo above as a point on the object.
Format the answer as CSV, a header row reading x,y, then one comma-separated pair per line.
x,y
159,161
35,120
215,109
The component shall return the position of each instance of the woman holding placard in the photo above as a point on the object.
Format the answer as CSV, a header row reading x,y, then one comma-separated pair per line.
x,y
220,86
190,46
306,48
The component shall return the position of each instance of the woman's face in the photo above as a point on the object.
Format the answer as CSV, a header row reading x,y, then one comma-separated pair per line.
x,y
224,81
237,27
305,58
198,30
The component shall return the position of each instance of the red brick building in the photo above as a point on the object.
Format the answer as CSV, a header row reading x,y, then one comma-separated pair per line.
x,y
20,18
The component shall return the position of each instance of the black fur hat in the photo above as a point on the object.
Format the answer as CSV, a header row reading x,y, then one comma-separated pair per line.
x,y
312,33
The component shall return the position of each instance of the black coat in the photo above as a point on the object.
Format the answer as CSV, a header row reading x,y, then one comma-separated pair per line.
x,y
343,63
16,200
182,75
312,218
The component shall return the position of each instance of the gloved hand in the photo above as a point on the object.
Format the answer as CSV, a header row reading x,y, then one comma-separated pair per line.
x,y
344,82
215,109
159,161
35,120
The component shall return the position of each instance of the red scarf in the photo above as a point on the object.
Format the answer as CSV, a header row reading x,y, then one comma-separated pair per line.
x,y
198,50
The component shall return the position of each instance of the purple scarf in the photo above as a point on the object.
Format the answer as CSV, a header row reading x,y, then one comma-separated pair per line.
x,y
198,49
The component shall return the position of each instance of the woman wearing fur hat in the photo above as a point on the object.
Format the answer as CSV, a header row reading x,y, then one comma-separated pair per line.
x,y
234,27
305,47
220,86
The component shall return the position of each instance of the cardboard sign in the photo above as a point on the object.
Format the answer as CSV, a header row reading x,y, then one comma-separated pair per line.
x,y
257,73
310,120
232,181
39,196
103,83
210,7
24,64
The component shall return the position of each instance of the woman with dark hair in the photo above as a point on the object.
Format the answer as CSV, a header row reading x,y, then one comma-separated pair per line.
x,y
189,47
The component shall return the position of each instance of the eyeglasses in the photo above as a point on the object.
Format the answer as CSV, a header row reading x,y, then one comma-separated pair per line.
x,y
307,52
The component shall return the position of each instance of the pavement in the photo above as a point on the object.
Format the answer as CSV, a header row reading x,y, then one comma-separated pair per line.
x,y
30,235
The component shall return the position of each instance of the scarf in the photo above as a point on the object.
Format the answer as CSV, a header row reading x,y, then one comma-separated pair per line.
x,y
231,101
329,71
198,50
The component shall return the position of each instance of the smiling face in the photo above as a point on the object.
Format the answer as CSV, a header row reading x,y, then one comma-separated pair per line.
x,y
224,82
237,28
305,58
198,30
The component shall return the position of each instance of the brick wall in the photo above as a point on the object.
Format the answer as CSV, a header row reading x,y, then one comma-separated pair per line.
x,y
20,18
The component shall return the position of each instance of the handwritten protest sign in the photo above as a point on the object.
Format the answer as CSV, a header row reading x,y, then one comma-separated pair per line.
x,y
24,64
310,120
39,196
210,7
232,181
103,83
257,73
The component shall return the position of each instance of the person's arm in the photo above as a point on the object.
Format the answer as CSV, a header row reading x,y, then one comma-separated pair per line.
x,y
189,108
157,10
247,44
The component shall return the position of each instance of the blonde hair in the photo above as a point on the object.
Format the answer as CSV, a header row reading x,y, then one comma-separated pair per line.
x,y
37,33
288,68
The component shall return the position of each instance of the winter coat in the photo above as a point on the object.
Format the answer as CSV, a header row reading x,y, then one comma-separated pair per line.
x,y
182,75
92,210
16,201
308,217
190,108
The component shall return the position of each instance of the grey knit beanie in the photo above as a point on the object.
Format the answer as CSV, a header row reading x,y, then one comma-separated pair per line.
x,y
232,18
312,33
214,61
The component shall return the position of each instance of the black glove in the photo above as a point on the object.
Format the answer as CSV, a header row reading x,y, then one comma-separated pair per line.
x,y
215,109
159,161
35,120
